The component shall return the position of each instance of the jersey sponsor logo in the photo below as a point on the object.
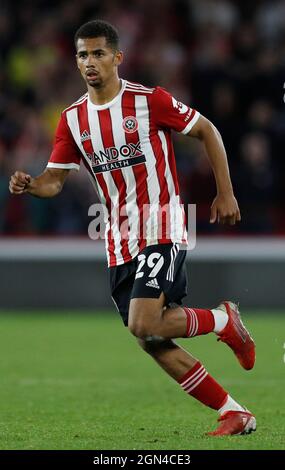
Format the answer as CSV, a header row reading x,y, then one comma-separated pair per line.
x,y
120,164
153,283
182,108
130,124
112,154
85,136
113,158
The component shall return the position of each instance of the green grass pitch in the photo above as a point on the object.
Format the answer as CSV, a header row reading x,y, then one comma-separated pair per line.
x,y
79,381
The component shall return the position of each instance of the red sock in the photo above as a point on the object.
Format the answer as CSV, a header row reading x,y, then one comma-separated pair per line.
x,y
199,322
200,385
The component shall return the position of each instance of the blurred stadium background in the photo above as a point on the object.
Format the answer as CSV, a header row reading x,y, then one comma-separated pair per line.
x,y
226,58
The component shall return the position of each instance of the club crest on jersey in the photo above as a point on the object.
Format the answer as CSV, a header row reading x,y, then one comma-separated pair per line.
x,y
182,108
130,124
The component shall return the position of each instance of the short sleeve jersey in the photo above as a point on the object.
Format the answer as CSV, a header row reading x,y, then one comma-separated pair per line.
x,y
126,146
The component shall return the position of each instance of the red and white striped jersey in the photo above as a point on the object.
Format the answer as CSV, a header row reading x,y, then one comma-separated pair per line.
x,y
127,149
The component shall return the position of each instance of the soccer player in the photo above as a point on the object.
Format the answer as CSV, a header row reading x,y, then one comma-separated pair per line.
x,y
121,131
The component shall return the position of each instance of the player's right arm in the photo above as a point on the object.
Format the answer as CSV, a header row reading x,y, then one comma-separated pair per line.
x,y
64,157
48,184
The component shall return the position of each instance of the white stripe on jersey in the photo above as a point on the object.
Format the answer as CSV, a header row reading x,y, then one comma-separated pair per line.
x,y
73,123
177,225
97,144
152,178
132,209
103,201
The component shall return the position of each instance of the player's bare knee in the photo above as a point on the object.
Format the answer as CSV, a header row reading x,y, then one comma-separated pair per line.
x,y
139,327
141,323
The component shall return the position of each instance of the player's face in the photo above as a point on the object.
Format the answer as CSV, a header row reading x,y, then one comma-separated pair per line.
x,y
96,61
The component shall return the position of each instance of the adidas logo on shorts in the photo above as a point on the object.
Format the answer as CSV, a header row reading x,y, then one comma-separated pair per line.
x,y
153,283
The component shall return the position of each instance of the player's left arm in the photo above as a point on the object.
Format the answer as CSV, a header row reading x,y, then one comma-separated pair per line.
x,y
224,208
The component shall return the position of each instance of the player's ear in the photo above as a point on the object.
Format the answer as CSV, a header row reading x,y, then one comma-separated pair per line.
x,y
119,57
76,58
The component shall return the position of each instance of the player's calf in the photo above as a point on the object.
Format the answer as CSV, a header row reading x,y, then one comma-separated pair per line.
x,y
168,355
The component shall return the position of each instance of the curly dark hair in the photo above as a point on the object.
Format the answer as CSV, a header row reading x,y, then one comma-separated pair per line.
x,y
96,29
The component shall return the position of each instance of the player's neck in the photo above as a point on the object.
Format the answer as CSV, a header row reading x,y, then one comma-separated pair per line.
x,y
106,93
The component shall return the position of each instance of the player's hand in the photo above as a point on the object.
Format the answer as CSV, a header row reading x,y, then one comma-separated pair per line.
x,y
225,209
19,182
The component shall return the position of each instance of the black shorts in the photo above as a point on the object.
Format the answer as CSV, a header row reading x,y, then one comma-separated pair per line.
x,y
157,268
